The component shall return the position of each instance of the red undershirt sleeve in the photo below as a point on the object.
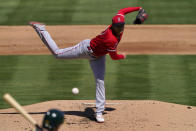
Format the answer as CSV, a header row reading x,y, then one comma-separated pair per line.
x,y
128,10
115,56
112,50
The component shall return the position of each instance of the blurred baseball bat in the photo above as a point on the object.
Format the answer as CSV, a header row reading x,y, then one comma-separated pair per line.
x,y
7,97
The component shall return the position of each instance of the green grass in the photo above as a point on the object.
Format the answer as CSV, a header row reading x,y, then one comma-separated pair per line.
x,y
32,79
69,12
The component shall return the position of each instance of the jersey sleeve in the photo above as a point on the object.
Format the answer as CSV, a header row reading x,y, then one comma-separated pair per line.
x,y
111,46
125,11
111,49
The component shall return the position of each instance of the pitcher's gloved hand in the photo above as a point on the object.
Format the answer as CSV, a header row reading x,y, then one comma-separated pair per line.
x,y
141,17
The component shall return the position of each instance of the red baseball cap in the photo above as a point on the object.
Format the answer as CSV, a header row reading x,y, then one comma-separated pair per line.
x,y
118,19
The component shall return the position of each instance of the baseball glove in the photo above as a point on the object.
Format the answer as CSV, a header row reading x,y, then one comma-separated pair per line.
x,y
141,17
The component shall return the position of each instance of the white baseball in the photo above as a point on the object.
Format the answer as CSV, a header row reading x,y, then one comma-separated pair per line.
x,y
75,90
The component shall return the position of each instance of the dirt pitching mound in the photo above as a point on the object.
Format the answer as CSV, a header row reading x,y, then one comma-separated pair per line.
x,y
120,115
144,39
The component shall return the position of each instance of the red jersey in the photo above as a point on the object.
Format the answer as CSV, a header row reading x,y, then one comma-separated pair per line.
x,y
107,42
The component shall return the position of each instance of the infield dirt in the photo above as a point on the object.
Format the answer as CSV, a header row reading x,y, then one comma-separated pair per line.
x,y
145,39
120,116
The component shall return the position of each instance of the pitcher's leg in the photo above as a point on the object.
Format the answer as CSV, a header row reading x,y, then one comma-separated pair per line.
x,y
100,96
98,68
69,52
77,51
45,36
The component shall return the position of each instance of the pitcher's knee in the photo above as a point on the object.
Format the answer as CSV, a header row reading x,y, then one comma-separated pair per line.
x,y
57,54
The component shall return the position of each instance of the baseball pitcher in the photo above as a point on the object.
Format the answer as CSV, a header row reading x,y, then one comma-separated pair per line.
x,y
94,50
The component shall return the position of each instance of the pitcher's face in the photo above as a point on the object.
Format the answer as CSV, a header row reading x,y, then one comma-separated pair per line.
x,y
118,28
